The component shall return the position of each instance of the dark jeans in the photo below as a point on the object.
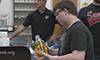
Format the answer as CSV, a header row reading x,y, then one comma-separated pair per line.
x,y
97,57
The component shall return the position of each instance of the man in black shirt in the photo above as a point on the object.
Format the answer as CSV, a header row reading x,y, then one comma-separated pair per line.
x,y
76,42
42,22
90,16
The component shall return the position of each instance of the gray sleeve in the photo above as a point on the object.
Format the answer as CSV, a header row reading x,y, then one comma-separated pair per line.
x,y
78,40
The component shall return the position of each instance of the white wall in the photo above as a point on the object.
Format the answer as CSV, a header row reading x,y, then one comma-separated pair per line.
x,y
49,4
6,9
80,2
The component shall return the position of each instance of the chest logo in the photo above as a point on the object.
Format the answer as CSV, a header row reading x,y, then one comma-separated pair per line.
x,y
93,17
46,17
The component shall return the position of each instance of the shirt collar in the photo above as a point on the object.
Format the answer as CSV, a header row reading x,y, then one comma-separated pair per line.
x,y
44,11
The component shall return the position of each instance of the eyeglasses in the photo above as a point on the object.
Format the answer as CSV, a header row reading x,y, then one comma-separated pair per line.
x,y
56,13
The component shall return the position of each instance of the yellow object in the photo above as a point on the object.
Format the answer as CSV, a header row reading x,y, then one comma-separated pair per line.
x,y
40,46
85,4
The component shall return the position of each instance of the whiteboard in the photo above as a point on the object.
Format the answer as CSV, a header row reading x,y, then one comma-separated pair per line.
x,y
7,11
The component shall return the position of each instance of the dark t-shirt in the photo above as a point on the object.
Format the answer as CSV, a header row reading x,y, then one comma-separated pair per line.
x,y
90,16
41,24
77,37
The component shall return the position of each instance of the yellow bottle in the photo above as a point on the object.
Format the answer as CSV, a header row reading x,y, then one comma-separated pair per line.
x,y
40,46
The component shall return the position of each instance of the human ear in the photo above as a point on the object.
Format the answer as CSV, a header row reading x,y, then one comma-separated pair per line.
x,y
66,11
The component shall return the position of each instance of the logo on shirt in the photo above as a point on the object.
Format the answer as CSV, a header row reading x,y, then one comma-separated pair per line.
x,y
46,17
93,18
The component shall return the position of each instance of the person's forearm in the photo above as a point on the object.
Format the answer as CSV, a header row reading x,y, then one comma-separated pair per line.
x,y
67,57
18,30
72,56
54,36
59,31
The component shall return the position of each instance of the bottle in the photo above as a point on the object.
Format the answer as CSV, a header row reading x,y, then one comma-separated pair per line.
x,y
40,46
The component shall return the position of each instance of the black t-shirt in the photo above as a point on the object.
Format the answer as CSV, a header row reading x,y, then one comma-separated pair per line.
x,y
41,24
90,16
77,37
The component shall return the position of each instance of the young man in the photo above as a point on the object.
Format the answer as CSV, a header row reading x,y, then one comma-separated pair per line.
x,y
42,22
76,41
90,16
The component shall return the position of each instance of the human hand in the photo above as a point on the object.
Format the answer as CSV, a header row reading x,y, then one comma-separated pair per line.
x,y
10,37
46,56
53,37
52,51
49,49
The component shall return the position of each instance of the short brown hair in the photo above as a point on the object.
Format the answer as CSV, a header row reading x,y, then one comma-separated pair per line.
x,y
68,4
